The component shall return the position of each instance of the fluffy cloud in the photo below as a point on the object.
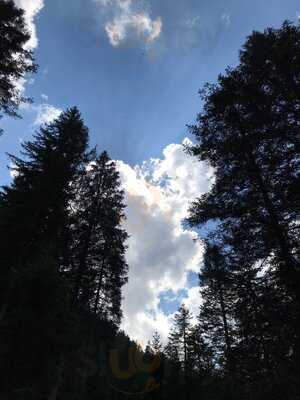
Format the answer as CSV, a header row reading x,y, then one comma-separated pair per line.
x,y
130,23
31,8
45,113
161,251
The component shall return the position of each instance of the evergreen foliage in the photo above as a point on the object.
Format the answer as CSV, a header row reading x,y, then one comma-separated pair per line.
x,y
15,59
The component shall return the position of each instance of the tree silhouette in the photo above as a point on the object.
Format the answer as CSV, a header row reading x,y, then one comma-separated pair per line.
x,y
249,132
98,253
15,60
34,250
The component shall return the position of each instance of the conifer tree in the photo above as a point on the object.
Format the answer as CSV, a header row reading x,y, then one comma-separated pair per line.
x,y
216,313
201,354
266,341
156,344
180,344
249,132
157,351
173,368
36,206
98,266
15,60
34,249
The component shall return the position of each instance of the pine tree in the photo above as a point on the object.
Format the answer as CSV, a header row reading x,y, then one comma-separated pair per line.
x,y
98,266
156,344
173,369
36,207
15,60
180,344
34,248
156,350
265,337
249,132
216,313
201,353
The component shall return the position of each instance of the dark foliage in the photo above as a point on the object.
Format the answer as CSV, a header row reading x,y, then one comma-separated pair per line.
x,y
15,59
249,131
62,263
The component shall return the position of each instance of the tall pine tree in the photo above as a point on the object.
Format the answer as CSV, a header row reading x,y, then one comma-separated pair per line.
x,y
15,60
98,266
249,131
180,345
35,240
216,314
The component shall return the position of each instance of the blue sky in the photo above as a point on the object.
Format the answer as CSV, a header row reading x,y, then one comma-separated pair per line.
x,y
134,67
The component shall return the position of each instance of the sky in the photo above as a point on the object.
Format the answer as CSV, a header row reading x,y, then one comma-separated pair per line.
x,y
134,69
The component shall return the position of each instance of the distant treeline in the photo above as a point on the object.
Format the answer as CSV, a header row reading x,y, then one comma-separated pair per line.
x,y
63,245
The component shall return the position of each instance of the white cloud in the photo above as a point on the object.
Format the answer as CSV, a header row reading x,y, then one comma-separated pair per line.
x,y
31,8
130,23
161,252
45,113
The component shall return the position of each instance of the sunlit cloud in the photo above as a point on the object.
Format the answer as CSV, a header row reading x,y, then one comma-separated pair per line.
x,y
161,251
130,22
45,113
32,9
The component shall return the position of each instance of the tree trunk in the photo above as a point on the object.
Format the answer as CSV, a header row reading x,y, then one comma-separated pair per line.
x,y
225,323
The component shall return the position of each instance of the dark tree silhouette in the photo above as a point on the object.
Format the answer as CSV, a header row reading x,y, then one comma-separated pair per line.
x,y
15,60
98,254
34,249
249,132
180,345
62,266
216,311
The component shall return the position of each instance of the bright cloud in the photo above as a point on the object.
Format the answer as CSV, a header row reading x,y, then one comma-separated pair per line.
x,y
45,113
161,252
31,8
130,23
